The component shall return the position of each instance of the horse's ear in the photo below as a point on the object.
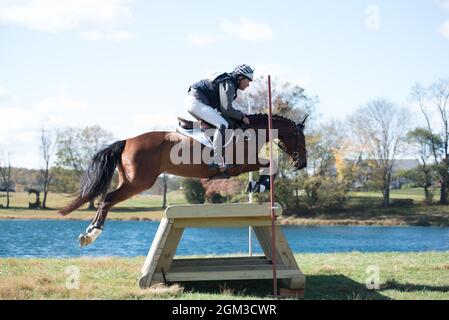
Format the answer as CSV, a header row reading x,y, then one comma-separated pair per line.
x,y
302,124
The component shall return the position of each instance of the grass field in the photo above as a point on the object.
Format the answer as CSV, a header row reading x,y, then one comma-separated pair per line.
x,y
362,208
140,207
339,276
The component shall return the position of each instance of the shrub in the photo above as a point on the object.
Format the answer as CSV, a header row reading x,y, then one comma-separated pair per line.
x,y
193,191
215,197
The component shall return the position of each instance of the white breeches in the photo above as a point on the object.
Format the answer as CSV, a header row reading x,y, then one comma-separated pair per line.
x,y
205,112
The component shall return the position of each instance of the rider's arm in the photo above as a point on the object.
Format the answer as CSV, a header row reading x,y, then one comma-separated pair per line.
x,y
227,92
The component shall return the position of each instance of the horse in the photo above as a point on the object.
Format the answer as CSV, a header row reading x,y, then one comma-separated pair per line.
x,y
141,159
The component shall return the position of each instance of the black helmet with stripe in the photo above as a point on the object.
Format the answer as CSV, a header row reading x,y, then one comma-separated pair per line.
x,y
244,70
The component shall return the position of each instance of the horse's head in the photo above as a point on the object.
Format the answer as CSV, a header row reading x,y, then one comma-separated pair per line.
x,y
290,134
293,142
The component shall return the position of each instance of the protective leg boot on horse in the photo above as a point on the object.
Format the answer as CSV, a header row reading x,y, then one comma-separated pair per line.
x,y
91,234
263,184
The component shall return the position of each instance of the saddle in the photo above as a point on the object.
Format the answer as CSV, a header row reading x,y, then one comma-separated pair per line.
x,y
189,124
200,123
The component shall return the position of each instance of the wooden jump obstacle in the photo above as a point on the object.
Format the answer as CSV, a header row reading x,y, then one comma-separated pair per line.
x,y
161,267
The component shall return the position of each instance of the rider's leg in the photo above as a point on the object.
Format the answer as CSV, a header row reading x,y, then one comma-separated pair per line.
x,y
210,115
217,146
205,112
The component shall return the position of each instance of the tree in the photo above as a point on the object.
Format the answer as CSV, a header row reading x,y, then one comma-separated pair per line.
x,y
432,100
5,172
164,196
379,128
421,143
47,149
194,190
290,101
77,146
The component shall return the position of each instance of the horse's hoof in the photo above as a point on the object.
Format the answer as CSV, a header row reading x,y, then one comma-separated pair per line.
x,y
84,240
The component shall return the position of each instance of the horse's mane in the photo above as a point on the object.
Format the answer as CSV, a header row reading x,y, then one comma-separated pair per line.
x,y
264,117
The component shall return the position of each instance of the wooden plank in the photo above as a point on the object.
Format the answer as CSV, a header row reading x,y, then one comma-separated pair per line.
x,y
219,222
195,211
263,235
154,254
283,252
160,259
169,250
221,261
224,275
296,283
222,267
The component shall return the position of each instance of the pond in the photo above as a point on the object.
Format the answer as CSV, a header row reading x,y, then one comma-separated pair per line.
x,y
58,238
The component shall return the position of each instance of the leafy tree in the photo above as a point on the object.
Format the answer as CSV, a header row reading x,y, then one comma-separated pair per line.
x,y
77,146
421,142
290,101
193,190
434,100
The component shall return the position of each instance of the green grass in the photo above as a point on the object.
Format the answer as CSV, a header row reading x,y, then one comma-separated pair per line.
x,y
339,276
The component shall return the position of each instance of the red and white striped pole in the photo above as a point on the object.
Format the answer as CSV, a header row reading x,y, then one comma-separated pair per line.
x,y
273,215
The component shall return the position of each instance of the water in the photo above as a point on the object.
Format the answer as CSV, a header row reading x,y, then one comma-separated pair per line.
x,y
57,238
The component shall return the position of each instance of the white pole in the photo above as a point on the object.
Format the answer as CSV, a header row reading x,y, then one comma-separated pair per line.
x,y
250,198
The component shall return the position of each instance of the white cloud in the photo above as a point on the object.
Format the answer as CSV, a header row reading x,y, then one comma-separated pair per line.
x,y
247,30
21,124
69,15
444,4
444,29
96,35
202,39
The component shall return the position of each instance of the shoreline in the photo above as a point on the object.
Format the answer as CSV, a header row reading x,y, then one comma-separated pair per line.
x,y
285,221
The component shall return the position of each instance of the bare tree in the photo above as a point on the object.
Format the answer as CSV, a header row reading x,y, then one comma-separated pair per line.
x,y
378,129
47,149
434,100
5,172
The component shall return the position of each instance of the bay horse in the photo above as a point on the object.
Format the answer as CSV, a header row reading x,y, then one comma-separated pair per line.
x,y
141,159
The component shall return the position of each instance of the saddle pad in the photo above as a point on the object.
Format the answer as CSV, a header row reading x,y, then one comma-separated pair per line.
x,y
196,134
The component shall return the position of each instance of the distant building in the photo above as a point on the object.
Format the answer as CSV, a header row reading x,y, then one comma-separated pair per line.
x,y
396,181
401,165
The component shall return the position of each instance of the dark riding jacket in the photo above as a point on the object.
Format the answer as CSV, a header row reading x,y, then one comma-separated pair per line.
x,y
219,93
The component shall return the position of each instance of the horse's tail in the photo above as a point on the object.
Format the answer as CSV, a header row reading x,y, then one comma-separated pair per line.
x,y
98,176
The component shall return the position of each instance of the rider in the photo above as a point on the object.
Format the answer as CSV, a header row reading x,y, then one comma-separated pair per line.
x,y
211,99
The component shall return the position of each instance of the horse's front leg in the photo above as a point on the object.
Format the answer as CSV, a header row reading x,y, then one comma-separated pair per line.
x,y
263,184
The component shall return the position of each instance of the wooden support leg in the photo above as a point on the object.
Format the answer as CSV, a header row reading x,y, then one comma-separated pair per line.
x,y
162,251
284,254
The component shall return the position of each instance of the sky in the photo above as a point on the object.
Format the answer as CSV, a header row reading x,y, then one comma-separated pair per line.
x,y
126,65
